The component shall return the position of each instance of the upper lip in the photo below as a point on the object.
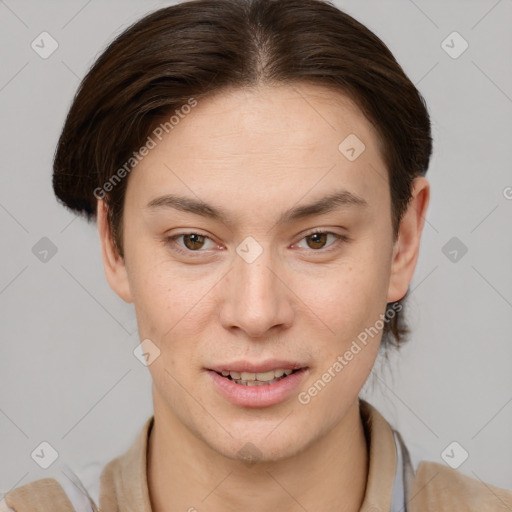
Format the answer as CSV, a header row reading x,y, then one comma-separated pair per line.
x,y
265,366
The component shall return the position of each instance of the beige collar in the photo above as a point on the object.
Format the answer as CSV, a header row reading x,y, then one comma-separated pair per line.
x,y
382,457
124,479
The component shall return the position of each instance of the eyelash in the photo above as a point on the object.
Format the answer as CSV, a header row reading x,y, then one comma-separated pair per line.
x,y
340,239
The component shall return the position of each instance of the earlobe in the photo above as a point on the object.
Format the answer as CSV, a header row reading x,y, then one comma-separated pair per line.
x,y
113,262
406,249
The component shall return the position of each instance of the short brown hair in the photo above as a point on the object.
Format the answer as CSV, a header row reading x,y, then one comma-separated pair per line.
x,y
198,47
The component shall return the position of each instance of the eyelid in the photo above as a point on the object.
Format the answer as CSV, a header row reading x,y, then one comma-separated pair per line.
x,y
172,240
340,239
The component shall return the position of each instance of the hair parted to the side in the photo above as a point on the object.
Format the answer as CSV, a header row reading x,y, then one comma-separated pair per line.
x,y
198,47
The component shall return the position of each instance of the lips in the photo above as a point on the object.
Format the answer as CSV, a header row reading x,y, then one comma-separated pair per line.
x,y
257,379
279,379
254,393
262,367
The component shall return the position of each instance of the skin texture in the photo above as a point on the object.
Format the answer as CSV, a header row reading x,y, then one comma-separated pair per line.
x,y
257,153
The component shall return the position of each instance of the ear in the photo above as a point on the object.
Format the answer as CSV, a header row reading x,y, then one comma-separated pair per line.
x,y
407,245
113,263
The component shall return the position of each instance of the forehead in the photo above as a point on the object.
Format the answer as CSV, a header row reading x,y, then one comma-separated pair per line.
x,y
263,141
302,115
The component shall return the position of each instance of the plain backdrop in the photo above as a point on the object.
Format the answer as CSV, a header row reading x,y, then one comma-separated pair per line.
x,y
69,375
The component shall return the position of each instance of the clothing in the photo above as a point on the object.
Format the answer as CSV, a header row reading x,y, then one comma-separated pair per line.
x,y
392,485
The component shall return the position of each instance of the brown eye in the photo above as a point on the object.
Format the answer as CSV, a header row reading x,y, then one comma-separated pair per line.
x,y
188,243
193,241
318,240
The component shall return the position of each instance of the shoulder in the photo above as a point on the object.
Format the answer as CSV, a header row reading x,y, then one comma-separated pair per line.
x,y
66,492
439,487
35,495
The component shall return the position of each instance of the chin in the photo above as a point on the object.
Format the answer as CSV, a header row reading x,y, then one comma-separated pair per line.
x,y
252,446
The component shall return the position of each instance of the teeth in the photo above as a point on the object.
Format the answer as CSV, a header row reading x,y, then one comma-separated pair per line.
x,y
255,382
263,377
253,379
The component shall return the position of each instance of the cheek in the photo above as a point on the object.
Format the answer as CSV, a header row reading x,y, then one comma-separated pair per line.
x,y
163,302
168,298
351,296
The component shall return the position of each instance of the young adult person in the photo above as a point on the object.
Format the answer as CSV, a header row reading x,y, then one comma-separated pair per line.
x,y
257,173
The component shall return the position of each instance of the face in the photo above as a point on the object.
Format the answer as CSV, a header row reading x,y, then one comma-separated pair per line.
x,y
253,287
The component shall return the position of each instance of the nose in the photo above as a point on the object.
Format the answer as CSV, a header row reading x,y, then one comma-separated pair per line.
x,y
257,299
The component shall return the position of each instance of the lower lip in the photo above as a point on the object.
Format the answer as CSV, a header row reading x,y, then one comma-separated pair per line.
x,y
257,396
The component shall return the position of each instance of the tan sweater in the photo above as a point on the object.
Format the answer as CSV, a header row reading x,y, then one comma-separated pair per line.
x,y
433,487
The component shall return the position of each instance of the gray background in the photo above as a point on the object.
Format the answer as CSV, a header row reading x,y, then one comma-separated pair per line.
x,y
69,376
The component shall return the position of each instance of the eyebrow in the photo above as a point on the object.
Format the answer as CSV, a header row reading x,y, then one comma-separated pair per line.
x,y
326,204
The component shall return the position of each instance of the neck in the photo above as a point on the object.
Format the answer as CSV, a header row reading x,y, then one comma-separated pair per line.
x,y
329,475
